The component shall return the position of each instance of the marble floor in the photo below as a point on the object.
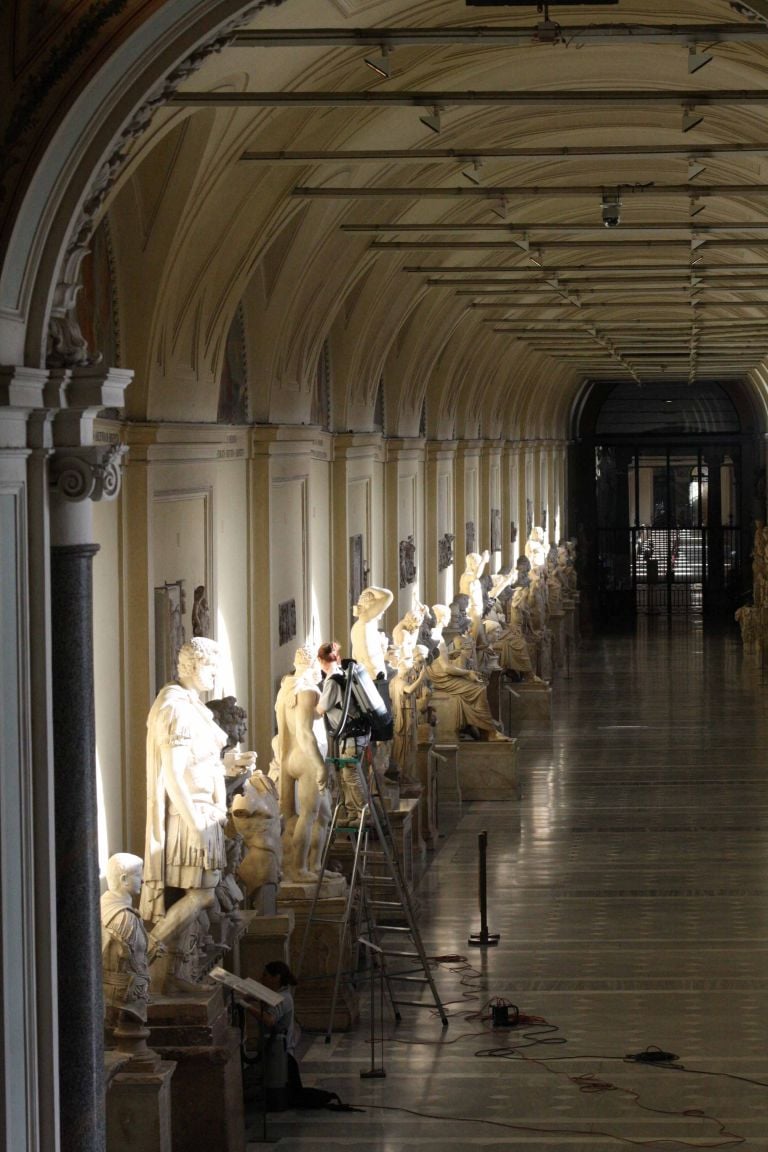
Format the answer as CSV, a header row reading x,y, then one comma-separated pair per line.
x,y
630,889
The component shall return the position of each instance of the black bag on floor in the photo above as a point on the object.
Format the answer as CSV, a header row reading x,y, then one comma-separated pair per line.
x,y
301,1097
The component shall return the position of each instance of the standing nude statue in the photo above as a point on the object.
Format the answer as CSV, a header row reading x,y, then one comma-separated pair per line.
x,y
303,771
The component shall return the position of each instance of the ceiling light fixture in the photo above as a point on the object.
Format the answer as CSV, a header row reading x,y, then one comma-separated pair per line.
x,y
381,65
611,208
473,173
431,120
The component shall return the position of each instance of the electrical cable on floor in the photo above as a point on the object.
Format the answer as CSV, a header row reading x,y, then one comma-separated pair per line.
x,y
499,1011
732,1140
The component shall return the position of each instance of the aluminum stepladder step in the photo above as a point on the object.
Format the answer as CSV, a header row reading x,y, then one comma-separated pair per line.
x,y
376,870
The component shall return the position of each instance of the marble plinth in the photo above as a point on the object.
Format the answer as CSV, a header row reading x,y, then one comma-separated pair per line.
x,y
139,1110
207,1086
528,705
332,886
264,939
488,770
323,949
447,717
496,695
556,627
426,766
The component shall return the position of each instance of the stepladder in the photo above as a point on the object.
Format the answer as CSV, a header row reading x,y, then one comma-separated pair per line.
x,y
379,927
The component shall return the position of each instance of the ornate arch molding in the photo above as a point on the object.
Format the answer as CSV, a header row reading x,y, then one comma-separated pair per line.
x,y
71,185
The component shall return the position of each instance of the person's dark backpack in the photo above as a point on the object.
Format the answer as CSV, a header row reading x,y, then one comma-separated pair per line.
x,y
363,712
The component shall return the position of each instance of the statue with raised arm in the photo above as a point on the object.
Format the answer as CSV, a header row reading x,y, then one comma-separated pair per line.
x,y
369,644
302,769
186,811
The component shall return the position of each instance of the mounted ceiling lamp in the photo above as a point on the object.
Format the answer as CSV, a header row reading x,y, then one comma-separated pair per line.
x,y
381,64
473,172
431,120
611,208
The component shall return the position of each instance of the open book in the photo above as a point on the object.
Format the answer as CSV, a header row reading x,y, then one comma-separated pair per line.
x,y
244,986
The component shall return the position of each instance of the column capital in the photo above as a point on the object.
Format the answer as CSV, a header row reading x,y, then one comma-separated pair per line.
x,y
92,472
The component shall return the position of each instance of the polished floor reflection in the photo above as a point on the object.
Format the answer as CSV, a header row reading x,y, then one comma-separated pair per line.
x,y
630,889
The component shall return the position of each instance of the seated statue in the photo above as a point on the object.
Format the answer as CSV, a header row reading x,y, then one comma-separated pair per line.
x,y
125,947
510,644
302,768
449,673
186,810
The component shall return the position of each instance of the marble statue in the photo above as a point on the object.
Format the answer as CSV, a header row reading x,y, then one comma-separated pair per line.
x,y
256,816
535,548
369,645
186,811
450,674
510,643
470,585
125,947
231,718
303,771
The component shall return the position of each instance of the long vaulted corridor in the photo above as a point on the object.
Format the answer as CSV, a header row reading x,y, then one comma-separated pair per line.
x,y
629,889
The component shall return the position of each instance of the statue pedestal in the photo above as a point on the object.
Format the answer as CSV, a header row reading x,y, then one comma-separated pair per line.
x,y
528,704
544,661
264,939
488,770
207,1086
496,695
426,766
447,717
556,627
404,821
321,958
139,1109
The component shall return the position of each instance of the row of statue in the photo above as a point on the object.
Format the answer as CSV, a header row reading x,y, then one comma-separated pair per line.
x,y
753,618
222,834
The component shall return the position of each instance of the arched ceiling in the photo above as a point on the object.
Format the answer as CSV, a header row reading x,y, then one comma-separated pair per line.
x,y
441,227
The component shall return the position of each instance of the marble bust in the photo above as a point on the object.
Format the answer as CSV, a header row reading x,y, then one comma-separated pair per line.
x,y
186,811
125,947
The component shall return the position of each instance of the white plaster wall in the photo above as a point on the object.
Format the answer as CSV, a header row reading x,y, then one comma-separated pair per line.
x,y
199,534
321,554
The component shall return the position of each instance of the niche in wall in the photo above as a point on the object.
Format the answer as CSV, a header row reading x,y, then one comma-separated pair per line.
x,y
182,561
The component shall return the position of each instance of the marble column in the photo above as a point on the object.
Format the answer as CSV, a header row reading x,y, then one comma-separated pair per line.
x,y
81,1009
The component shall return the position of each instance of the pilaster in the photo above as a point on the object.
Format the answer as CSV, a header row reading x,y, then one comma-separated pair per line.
x,y
80,472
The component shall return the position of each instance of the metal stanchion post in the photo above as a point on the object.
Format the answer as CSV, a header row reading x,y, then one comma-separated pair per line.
x,y
483,938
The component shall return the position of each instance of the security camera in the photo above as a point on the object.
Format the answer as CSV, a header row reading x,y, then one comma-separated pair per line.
x,y
611,209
